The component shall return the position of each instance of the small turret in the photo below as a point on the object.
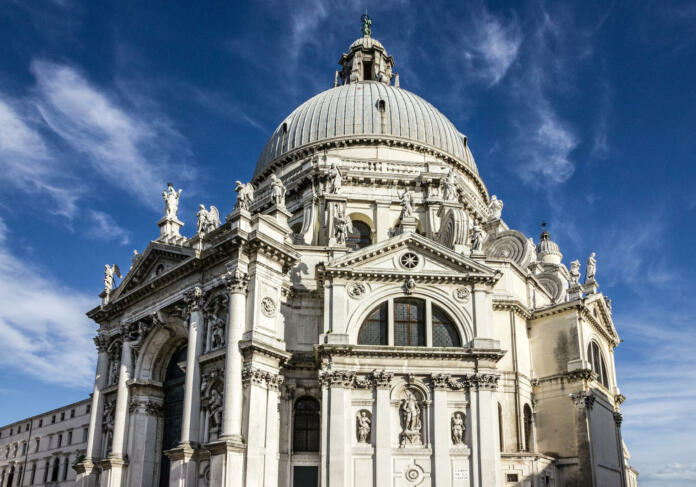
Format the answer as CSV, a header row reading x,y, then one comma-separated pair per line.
x,y
367,60
548,251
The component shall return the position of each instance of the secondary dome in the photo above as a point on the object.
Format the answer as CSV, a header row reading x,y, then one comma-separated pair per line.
x,y
366,108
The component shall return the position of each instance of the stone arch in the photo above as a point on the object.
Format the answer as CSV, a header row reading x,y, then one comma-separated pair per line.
x,y
156,351
460,316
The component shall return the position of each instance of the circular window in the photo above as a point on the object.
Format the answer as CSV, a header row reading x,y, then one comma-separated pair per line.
x,y
409,260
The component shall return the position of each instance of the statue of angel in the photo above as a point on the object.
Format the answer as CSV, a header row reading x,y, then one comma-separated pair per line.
x,y
245,195
207,220
406,204
591,268
335,179
171,201
342,226
109,272
450,192
277,191
495,207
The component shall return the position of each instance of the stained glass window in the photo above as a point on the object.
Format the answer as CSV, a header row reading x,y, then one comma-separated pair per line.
x,y
306,425
374,329
409,322
444,332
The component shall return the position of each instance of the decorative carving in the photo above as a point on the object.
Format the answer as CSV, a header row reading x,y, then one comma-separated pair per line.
x,y
450,187
171,201
453,227
486,381
101,342
215,313
114,362
476,239
252,375
108,424
440,381
462,293
274,381
193,298
335,177
382,379
342,225
591,268
406,204
236,280
207,220
458,429
409,285
356,290
364,382
149,407
583,399
277,191
364,426
512,245
268,307
553,284
410,412
212,386
618,418
409,260
495,208
245,195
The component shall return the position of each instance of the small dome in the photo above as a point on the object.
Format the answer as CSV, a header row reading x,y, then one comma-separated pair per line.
x,y
548,251
367,43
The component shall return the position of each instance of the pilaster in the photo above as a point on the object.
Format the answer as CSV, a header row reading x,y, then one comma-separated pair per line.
x,y
382,426
441,437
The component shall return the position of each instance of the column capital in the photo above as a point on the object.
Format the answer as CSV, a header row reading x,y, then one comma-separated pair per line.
x,y
101,342
440,381
583,399
618,418
194,298
236,281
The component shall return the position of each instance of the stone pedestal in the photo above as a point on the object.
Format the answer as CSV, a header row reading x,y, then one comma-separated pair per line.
x,y
574,292
408,224
169,230
184,466
590,287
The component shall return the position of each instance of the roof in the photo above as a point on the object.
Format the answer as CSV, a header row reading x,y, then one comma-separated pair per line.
x,y
354,109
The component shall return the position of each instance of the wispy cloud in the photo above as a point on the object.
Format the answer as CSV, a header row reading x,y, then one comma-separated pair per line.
x,y
43,328
103,227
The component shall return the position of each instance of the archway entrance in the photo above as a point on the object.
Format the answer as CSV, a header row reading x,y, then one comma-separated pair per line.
x,y
173,410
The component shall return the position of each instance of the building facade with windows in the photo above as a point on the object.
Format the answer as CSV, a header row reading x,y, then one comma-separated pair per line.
x,y
363,317
41,450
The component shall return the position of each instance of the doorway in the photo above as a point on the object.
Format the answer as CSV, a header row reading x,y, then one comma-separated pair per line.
x,y
173,410
305,476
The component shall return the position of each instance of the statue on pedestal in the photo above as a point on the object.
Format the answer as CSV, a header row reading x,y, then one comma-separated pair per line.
x,y
342,226
591,268
476,239
458,429
277,191
207,220
575,273
411,417
406,204
495,207
109,272
450,192
245,195
171,201
335,179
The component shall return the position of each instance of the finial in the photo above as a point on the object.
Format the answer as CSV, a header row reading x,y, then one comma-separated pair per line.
x,y
366,24
544,232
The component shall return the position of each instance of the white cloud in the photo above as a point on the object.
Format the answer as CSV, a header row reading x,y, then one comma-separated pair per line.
x,y
43,328
104,227
494,45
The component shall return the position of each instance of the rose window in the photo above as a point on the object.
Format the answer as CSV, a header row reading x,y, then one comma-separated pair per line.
x,y
409,260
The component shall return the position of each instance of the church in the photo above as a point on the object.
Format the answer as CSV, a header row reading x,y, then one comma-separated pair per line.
x,y
363,316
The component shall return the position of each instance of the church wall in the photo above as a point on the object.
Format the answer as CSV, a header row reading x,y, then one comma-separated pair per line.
x,y
606,448
554,342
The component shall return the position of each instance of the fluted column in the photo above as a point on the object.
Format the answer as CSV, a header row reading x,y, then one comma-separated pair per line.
x,y
190,425
237,283
94,440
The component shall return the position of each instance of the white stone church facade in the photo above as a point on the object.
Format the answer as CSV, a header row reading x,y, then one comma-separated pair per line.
x,y
362,317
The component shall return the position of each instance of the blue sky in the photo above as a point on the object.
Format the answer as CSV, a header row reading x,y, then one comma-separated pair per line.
x,y
581,114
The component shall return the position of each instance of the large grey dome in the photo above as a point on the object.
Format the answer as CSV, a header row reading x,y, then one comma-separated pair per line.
x,y
356,109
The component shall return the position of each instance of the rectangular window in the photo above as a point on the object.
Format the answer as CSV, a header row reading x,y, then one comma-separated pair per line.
x,y
69,438
62,416
72,413
512,477
11,431
33,474
65,469
53,419
88,408
36,449
60,440
26,426
85,433
40,422
24,448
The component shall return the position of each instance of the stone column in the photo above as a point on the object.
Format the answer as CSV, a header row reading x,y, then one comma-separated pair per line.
x,y
441,430
489,464
483,312
145,417
338,442
382,426
272,431
190,425
325,384
118,449
256,396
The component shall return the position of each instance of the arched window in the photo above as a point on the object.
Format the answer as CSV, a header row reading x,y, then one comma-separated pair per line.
x,y
305,435
409,322
374,329
500,426
360,237
32,478
382,108
597,363
444,332
56,467
527,411
285,137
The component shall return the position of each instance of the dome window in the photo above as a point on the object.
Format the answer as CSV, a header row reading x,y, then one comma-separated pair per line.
x,y
382,108
285,136
367,70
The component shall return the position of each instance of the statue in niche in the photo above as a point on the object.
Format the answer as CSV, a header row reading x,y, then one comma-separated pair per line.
x,y
450,192
458,429
476,239
342,226
109,271
171,201
217,333
114,370
215,407
245,195
495,207
335,179
575,273
364,424
411,418
277,191
108,424
591,268
207,220
406,204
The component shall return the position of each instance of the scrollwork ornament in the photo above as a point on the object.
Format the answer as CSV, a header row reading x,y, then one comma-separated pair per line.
x,y
101,342
462,294
440,381
268,307
356,290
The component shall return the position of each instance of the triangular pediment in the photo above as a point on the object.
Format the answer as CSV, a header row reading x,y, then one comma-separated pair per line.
x,y
396,257
157,260
600,311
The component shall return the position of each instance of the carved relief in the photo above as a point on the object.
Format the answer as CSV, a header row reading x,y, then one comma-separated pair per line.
x,y
356,290
462,294
458,428
382,379
268,307
212,387
236,280
364,426
512,245
108,425
215,313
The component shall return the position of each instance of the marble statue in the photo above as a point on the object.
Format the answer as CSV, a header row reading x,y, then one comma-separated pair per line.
x,y
215,406
171,201
450,192
109,272
208,220
364,427
335,179
591,268
406,204
245,195
495,207
476,239
410,413
342,226
114,370
277,191
575,273
458,429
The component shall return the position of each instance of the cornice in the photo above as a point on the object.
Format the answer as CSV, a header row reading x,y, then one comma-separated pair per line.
x,y
515,305
567,377
385,351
